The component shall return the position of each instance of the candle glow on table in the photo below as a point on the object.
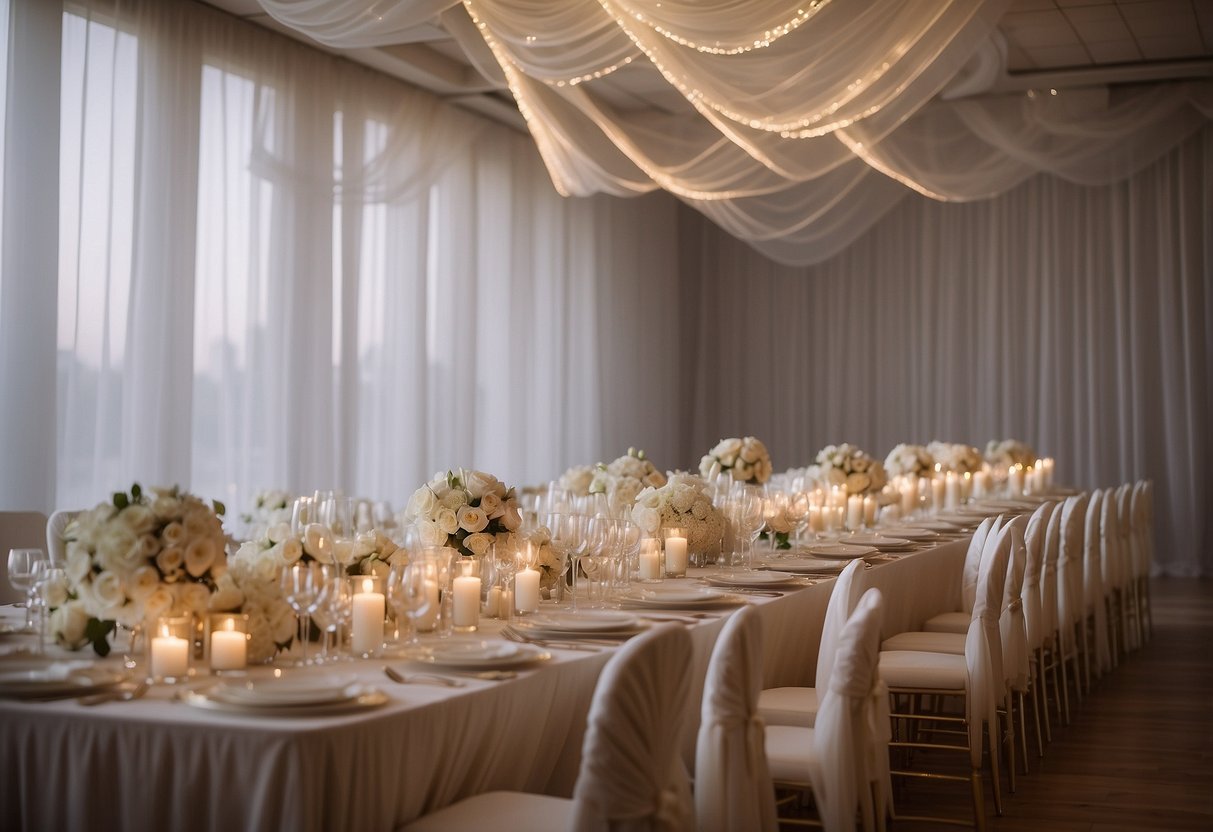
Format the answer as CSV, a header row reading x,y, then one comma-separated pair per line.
x,y
676,555
229,648
526,590
854,511
170,656
869,511
650,560
467,599
426,622
951,490
366,624
937,492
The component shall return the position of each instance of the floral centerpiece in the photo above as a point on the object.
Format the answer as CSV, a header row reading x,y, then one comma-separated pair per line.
x,y
1002,454
268,508
909,461
685,501
745,460
251,586
370,553
624,479
548,561
464,511
851,469
577,480
136,557
956,457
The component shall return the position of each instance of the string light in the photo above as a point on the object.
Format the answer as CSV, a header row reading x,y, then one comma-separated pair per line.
x,y
872,161
751,43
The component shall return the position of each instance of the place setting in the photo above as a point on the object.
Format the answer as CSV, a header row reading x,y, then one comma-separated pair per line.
x,y
289,695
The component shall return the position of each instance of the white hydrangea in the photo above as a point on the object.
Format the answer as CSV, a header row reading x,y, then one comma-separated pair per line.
x,y
746,460
910,460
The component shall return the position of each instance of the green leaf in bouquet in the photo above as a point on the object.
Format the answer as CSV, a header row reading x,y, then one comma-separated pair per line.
x,y
121,500
220,508
136,492
97,633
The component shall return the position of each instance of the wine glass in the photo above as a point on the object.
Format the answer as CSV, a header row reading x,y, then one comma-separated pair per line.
x,y
299,591
50,589
301,515
747,506
332,596
21,563
504,557
413,592
629,535
568,537
600,531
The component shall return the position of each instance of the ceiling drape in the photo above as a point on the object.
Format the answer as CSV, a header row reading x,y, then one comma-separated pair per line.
x,y
793,126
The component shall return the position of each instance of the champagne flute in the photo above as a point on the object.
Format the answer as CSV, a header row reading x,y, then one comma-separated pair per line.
x,y
568,536
50,588
299,591
413,592
332,594
504,556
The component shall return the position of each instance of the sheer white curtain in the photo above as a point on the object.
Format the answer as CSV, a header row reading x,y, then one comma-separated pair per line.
x,y
1075,318
277,269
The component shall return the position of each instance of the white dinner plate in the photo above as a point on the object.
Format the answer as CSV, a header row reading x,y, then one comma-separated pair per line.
x,y
841,551
537,629
935,526
476,655
807,565
366,698
910,533
288,691
588,621
674,596
32,677
879,541
756,578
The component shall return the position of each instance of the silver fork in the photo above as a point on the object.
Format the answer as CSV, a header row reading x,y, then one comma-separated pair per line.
x,y
513,635
420,678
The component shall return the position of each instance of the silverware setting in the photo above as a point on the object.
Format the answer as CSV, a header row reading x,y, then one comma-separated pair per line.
x,y
564,644
116,695
420,678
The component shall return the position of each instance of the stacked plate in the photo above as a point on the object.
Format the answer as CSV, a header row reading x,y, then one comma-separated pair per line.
x,y
767,578
605,624
808,566
297,695
884,543
31,677
840,551
915,535
476,655
676,595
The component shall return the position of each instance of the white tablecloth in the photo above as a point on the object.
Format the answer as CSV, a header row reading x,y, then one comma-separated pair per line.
x,y
159,764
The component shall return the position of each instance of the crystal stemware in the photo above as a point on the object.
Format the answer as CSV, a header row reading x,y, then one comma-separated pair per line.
x,y
21,563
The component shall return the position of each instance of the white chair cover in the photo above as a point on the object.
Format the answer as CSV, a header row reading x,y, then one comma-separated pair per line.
x,y
56,546
846,594
1048,575
632,778
1070,606
1141,529
983,647
1012,629
840,770
1094,590
732,780
972,567
1109,534
1034,542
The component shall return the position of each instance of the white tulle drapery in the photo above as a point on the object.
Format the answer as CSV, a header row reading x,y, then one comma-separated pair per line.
x,y
1072,317
793,126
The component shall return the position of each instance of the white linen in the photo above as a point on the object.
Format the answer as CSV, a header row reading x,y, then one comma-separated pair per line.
x,y
428,748
732,780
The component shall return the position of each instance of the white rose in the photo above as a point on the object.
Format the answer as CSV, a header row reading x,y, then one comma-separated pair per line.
x,y
422,503
278,532
472,519
159,602
195,597
492,506
290,550
447,520
648,519
835,476
649,498
511,519
478,543
138,518
682,500
143,582
431,534
282,623
68,624
857,483
170,559
54,593
200,554
479,483
107,589
751,450
453,499
727,449
173,534
268,568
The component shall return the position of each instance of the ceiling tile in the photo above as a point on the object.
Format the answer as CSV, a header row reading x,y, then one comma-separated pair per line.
x,y
1115,52
1101,30
1169,48
1031,5
1032,29
1018,60
1154,9
1053,57
1104,11
1078,3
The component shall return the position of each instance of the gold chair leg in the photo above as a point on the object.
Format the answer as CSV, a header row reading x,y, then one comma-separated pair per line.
x,y
1044,692
1055,661
995,764
1023,731
1010,742
979,800
1065,682
1040,746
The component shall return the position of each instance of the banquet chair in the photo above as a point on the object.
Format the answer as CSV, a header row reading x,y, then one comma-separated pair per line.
x,y
1034,548
1110,565
831,759
1097,657
18,530
1071,621
958,621
56,545
972,679
1051,663
1130,553
632,776
732,780
1012,635
798,705
1143,525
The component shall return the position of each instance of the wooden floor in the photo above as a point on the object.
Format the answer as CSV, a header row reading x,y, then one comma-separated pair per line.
x,y
1139,751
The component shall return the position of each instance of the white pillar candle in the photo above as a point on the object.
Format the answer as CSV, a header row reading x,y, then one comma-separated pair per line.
x,y
1015,479
526,590
676,555
938,494
869,511
650,566
816,520
492,605
966,486
467,601
426,622
909,495
951,490
229,648
170,656
854,511
366,621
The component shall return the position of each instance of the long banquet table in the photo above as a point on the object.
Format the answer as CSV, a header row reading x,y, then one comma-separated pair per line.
x,y
158,763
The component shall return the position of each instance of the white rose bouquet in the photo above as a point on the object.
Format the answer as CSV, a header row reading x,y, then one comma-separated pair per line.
x,y
849,468
464,511
1007,452
909,461
577,480
685,501
956,457
548,561
746,460
251,586
268,508
140,556
624,479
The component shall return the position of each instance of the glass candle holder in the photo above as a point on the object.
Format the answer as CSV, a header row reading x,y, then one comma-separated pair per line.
x,y
225,642
652,566
368,610
675,552
466,592
171,649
